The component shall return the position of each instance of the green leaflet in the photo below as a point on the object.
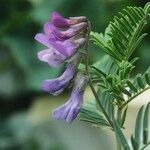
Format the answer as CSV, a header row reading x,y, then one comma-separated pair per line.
x,y
122,36
140,139
138,127
124,116
134,143
90,113
131,86
107,101
140,84
121,136
146,124
147,8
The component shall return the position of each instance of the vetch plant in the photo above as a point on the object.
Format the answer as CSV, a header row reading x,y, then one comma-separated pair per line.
x,y
67,40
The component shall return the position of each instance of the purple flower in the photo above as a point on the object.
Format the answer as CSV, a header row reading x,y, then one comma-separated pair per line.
x,y
66,48
62,22
51,56
58,51
72,107
59,34
57,85
56,33
63,37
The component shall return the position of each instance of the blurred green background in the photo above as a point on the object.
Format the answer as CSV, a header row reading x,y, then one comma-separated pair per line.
x,y
25,120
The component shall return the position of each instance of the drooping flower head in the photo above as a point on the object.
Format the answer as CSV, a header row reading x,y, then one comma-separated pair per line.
x,y
63,37
69,111
57,85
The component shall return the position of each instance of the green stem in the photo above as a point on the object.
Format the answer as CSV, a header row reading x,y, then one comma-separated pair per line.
x,y
145,146
119,120
118,144
99,102
119,114
90,81
134,96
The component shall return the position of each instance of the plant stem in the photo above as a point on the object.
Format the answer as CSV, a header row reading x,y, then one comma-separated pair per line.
x,y
118,144
145,146
134,96
90,81
119,120
119,114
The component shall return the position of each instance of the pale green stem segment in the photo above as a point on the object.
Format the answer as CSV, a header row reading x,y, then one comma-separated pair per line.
x,y
118,144
145,146
119,119
90,81
130,99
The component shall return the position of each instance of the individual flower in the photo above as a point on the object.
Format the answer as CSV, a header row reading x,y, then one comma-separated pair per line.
x,y
61,43
57,85
58,51
61,22
69,111
54,33
51,56
66,33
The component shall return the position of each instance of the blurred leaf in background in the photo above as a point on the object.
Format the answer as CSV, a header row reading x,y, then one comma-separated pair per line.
x,y
21,73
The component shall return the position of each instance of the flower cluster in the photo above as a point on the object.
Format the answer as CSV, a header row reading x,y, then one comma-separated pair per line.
x,y
63,37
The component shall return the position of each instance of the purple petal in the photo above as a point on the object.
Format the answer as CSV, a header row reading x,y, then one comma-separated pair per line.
x,y
72,107
42,38
51,56
48,29
66,48
59,21
69,47
57,85
70,32
53,86
61,112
